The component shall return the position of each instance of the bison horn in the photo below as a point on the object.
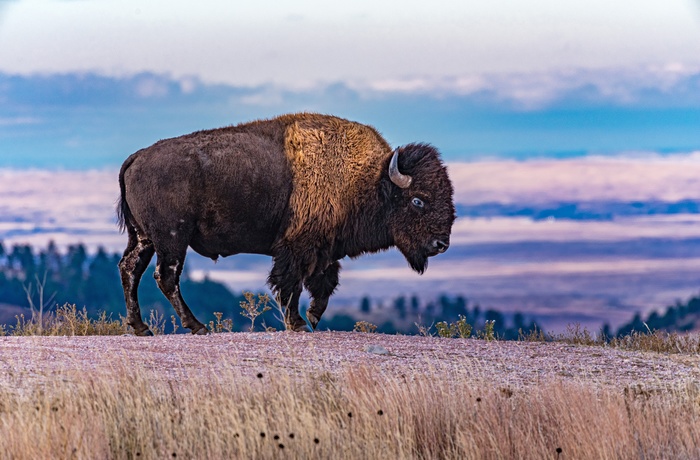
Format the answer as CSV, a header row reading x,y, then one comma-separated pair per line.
x,y
395,175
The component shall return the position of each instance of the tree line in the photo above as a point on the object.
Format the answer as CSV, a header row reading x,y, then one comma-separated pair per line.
x,y
92,281
412,315
681,317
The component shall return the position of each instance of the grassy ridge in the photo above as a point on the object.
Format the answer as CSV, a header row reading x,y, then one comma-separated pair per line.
x,y
68,320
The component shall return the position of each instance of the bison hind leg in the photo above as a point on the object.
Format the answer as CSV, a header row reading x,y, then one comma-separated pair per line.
x,y
167,275
138,254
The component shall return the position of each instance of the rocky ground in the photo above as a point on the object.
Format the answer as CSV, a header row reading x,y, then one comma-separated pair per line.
x,y
29,361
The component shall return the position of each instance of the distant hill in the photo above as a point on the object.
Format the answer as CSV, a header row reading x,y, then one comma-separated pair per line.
x,y
592,210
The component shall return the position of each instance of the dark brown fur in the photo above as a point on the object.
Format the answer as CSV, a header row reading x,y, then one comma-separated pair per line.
x,y
306,189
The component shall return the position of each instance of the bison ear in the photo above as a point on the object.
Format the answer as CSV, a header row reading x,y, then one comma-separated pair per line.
x,y
402,180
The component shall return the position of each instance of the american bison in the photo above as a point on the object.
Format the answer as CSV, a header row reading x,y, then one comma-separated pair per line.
x,y
306,189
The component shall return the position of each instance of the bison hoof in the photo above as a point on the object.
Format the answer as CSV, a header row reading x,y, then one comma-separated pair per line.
x,y
302,328
201,331
145,333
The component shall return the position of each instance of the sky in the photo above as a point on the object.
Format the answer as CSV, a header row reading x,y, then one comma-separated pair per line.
x,y
301,43
84,83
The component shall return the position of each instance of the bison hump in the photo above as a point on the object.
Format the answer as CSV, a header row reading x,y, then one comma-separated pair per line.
x,y
336,166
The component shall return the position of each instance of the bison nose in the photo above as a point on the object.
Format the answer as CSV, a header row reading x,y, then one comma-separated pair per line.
x,y
440,245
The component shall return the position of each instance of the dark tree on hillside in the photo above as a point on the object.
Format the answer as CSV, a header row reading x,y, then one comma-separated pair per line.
x,y
400,307
635,325
51,262
519,321
74,274
365,305
451,309
694,305
415,305
22,260
680,317
495,316
102,285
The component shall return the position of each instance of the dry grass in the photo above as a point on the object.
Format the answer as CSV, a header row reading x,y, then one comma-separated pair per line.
x,y
70,321
131,410
651,341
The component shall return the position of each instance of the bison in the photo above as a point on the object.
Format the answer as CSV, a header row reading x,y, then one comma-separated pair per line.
x,y
306,189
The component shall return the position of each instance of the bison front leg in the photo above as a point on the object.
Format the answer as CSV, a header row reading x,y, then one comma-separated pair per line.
x,y
321,286
285,281
292,318
167,275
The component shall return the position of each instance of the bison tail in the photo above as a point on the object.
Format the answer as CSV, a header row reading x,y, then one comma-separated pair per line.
x,y
124,216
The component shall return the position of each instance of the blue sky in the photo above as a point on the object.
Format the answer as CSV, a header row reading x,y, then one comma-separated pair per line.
x,y
84,83
90,121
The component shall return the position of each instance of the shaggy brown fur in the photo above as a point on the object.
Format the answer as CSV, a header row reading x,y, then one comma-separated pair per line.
x,y
331,161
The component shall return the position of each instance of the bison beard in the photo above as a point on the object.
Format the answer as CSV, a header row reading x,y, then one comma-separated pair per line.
x,y
417,260
306,189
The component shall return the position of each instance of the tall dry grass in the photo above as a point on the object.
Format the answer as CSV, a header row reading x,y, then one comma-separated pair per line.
x,y
131,411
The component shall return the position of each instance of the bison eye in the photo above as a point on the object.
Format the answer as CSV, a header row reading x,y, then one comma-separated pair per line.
x,y
417,202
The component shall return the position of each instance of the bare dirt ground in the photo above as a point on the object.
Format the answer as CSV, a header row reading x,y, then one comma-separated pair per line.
x,y
28,361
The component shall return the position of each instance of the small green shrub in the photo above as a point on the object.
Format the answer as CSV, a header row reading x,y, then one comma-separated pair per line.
x,y
464,329
460,328
488,333
446,330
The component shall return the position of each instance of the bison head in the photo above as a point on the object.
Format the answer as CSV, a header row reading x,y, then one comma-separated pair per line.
x,y
422,210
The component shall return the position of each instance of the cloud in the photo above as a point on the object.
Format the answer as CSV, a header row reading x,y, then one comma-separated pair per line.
x,y
536,90
634,177
264,97
153,87
501,230
673,84
19,121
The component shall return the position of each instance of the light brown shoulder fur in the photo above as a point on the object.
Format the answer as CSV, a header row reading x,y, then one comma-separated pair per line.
x,y
335,164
